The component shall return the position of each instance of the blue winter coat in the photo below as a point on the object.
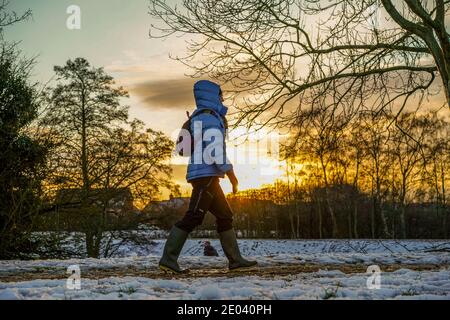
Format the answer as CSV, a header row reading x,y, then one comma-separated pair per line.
x,y
207,96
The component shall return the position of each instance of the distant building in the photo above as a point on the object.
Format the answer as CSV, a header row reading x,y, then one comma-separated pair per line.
x,y
115,201
165,213
173,204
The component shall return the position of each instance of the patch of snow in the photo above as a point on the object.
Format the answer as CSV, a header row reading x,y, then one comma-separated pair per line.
x,y
332,285
9,294
324,284
209,292
148,240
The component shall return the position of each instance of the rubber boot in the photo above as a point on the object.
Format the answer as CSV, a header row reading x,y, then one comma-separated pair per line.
x,y
172,250
231,249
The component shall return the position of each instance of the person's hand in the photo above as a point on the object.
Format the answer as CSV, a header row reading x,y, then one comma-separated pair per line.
x,y
234,181
235,187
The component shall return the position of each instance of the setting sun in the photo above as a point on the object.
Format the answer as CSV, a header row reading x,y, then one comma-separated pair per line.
x,y
254,155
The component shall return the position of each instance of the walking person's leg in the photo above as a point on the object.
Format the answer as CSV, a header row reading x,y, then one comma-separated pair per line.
x,y
200,200
224,216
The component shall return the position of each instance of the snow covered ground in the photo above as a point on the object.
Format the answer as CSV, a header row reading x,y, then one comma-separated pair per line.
x,y
194,247
401,284
409,270
149,240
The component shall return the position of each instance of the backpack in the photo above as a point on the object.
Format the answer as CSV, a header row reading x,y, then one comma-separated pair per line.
x,y
186,148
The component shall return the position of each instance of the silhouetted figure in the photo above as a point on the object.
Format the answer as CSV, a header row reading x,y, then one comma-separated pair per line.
x,y
204,173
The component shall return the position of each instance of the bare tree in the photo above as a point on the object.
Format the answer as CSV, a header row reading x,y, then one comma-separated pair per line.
x,y
320,134
378,160
8,17
408,154
437,152
278,57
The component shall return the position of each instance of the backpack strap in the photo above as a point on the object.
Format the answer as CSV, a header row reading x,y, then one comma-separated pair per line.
x,y
213,113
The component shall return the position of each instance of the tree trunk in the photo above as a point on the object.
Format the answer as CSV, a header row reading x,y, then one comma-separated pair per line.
x,y
444,65
332,215
393,233
84,155
92,245
320,219
291,217
439,48
374,201
372,218
349,220
444,202
97,244
403,208
89,238
403,222
384,222
291,221
355,222
355,197
381,210
277,232
327,200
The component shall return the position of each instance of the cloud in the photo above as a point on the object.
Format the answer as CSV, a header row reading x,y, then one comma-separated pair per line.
x,y
165,94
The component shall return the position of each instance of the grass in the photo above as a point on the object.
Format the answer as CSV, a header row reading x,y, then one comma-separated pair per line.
x,y
127,290
410,292
331,293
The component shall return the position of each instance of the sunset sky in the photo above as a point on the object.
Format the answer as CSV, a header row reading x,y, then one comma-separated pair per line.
x,y
115,35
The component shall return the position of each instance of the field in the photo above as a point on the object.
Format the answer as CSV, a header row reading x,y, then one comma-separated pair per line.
x,y
288,269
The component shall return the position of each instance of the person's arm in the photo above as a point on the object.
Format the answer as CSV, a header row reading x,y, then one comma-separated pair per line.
x,y
233,179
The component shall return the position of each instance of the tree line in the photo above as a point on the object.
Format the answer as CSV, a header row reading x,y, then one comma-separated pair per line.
x,y
367,178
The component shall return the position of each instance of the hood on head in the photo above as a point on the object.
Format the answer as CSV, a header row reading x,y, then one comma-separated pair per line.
x,y
207,96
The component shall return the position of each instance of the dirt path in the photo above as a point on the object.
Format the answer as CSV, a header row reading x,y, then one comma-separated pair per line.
x,y
264,272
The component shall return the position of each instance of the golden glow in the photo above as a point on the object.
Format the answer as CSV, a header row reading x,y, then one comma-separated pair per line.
x,y
255,177
255,157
